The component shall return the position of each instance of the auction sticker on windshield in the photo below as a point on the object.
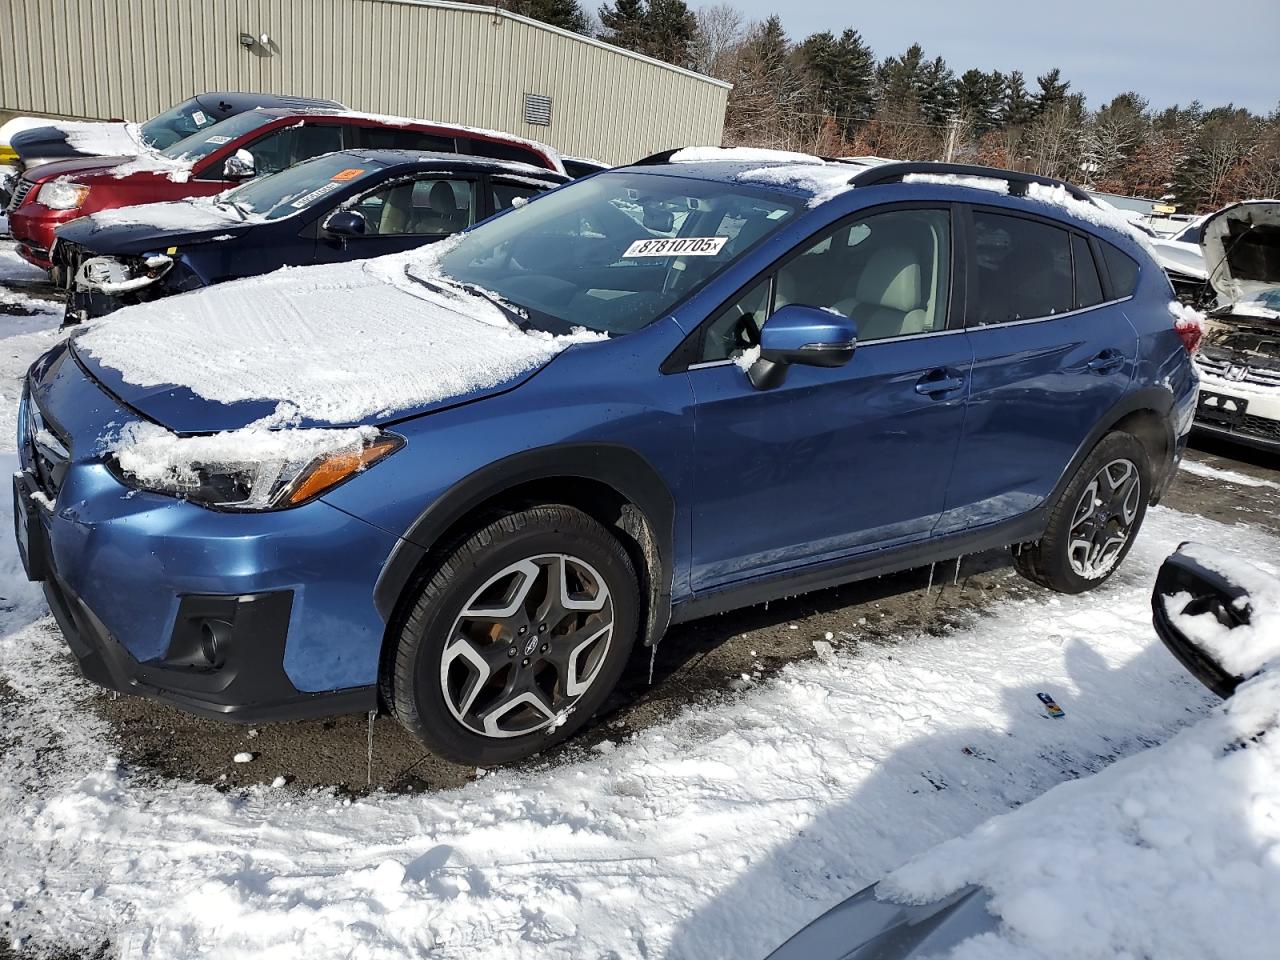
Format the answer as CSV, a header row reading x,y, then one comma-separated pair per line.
x,y
348,174
676,247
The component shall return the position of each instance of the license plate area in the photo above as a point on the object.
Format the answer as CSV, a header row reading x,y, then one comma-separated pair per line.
x,y
29,530
1221,409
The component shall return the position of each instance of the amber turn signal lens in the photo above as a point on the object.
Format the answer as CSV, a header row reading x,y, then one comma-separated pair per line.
x,y
332,470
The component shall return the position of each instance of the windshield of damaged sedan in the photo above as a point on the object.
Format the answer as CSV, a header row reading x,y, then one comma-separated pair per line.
x,y
615,252
299,187
175,124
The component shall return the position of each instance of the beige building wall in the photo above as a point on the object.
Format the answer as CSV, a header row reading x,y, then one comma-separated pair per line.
x,y
101,59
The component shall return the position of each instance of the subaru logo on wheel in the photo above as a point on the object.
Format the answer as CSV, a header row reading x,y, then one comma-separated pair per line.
x,y
531,645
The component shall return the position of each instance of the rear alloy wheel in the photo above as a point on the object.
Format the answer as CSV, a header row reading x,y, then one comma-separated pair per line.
x,y
517,638
1103,519
1094,521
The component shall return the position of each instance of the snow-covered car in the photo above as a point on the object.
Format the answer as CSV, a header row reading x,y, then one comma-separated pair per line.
x,y
1239,360
1130,861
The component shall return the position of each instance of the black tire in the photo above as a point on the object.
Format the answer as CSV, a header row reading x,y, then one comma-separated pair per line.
x,y
1048,561
425,703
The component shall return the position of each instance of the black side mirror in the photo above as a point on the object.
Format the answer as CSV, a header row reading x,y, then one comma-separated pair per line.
x,y
804,335
347,223
1186,587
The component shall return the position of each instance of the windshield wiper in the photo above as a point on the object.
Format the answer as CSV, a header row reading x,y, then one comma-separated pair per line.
x,y
450,288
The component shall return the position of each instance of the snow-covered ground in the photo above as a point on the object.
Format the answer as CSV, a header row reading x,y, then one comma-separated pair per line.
x,y
715,835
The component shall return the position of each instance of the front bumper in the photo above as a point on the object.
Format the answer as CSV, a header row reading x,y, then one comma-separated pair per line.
x,y
1254,422
34,226
137,580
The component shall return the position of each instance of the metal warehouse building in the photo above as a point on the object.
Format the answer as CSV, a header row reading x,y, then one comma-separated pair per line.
x,y
475,65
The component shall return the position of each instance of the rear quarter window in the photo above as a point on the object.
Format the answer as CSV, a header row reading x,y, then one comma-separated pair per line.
x,y
1123,270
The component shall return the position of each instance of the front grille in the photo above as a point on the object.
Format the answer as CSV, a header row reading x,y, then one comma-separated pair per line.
x,y
19,194
46,449
1259,427
1243,373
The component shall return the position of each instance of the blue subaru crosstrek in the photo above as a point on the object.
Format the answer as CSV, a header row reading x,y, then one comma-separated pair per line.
x,y
462,484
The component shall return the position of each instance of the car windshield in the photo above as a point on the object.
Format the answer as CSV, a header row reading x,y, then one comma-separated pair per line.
x,y
175,124
615,252
204,142
299,187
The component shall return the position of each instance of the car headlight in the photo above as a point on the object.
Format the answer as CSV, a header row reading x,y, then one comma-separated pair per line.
x,y
157,461
62,195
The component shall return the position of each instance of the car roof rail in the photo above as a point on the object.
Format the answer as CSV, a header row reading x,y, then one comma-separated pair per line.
x,y
894,172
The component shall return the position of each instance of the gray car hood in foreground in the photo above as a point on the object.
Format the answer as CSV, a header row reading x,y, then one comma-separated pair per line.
x,y
866,928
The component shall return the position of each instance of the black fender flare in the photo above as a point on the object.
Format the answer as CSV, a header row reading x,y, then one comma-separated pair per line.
x,y
619,467
1158,400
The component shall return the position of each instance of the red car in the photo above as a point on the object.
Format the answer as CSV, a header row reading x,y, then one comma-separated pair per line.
x,y
248,145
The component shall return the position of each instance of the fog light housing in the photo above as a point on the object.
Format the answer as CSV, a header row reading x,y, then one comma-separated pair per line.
x,y
214,637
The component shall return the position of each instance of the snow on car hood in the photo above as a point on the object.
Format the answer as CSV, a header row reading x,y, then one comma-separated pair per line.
x,y
352,343
1241,245
67,138
150,225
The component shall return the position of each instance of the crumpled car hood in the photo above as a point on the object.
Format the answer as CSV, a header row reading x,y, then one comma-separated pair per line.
x,y
355,343
1241,245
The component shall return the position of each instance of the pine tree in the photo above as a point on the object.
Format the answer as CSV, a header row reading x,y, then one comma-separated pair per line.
x,y
1053,91
663,29
938,99
979,96
769,96
1017,107
567,14
625,23
841,72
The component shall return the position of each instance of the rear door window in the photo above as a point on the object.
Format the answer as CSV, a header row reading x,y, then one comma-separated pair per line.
x,y
1020,269
393,138
497,150
1088,284
512,194
1123,271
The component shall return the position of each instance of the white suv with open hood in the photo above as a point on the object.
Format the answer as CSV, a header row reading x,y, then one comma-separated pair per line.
x,y
1239,361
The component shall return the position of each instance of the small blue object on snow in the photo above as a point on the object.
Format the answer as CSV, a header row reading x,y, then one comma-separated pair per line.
x,y
1055,711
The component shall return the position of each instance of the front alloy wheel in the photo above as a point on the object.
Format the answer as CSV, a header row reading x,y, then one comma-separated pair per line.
x,y
517,636
527,645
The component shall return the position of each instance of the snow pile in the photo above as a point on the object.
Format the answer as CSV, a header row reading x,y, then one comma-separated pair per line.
x,y
363,339
1248,648
1201,469
741,155
992,184
102,139
663,845
198,213
1189,322
1255,308
266,448
1174,853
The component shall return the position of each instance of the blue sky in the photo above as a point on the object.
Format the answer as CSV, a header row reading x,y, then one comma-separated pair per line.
x,y
1170,51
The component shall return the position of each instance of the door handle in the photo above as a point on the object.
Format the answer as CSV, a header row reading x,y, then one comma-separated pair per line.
x,y
1105,362
938,381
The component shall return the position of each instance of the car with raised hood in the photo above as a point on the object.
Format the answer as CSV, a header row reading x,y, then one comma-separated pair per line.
x,y
1216,615
462,483
342,206
1239,362
251,144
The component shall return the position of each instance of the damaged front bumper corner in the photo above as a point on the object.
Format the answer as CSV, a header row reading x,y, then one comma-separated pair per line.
x,y
102,285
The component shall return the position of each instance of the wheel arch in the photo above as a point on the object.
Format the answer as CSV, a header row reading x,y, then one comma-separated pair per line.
x,y
613,484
